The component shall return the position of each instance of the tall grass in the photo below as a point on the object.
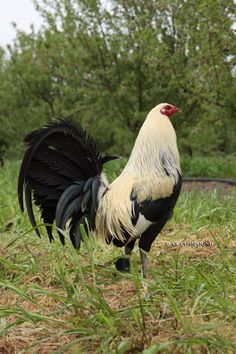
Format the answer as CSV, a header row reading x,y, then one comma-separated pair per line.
x,y
55,299
209,166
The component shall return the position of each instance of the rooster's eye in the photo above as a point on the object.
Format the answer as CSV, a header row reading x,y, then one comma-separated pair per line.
x,y
168,107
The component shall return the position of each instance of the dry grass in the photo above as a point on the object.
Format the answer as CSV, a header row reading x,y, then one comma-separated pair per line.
x,y
57,314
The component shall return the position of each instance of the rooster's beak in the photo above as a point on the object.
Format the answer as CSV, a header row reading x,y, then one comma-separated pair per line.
x,y
178,110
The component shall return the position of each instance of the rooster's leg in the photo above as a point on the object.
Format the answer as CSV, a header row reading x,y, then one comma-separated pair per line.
x,y
123,264
128,250
144,261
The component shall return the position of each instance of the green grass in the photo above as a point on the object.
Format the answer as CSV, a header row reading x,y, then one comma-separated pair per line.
x,y
57,300
209,166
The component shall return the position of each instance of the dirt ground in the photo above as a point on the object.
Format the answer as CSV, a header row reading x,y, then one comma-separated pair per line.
x,y
224,188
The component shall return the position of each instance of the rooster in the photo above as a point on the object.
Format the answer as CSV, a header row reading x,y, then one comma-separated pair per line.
x,y
62,171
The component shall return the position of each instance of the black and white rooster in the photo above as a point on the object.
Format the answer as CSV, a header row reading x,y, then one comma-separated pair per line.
x,y
62,169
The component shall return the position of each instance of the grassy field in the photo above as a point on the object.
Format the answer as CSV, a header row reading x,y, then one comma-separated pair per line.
x,y
54,299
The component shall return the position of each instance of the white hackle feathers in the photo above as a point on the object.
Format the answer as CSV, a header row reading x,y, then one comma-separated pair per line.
x,y
155,149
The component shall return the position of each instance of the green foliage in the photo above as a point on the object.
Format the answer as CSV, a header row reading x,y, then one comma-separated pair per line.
x,y
212,166
110,64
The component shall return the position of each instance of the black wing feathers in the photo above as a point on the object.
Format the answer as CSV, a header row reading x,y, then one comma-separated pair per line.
x,y
153,210
157,211
61,168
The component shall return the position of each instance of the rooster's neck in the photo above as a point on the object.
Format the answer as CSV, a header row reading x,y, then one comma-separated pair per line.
x,y
155,151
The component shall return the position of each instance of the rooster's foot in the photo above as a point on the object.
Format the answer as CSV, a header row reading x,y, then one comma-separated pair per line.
x,y
123,264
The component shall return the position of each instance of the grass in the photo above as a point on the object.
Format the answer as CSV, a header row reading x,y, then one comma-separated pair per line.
x,y
57,300
209,166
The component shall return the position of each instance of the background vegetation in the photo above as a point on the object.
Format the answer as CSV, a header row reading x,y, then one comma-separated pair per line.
x,y
109,62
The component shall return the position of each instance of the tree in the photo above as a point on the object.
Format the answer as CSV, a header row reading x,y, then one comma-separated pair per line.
x,y
109,64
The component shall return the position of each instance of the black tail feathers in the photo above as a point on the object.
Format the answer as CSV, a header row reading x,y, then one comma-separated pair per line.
x,y
61,168
78,203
